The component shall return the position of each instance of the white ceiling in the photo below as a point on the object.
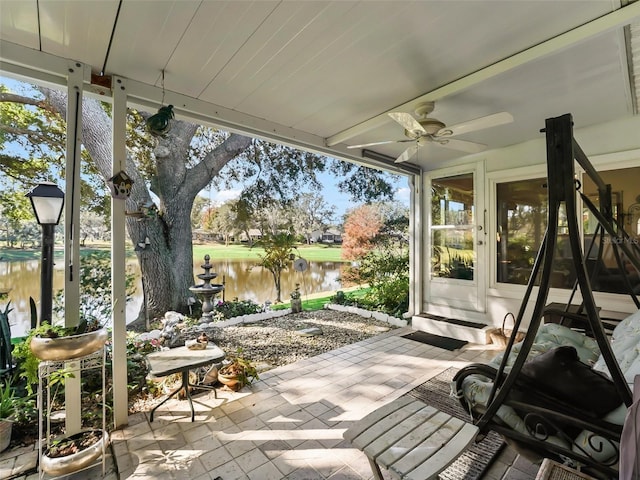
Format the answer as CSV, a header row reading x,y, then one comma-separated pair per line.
x,y
323,74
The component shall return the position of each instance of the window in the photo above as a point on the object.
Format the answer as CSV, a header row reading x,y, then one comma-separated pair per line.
x,y
521,219
452,227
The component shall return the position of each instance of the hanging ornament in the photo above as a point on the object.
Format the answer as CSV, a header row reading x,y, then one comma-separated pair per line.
x,y
120,185
160,123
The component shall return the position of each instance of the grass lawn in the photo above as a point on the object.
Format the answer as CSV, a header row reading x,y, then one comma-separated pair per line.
x,y
317,301
316,252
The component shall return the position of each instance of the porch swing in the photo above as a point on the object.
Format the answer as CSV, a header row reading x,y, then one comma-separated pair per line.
x,y
577,421
569,420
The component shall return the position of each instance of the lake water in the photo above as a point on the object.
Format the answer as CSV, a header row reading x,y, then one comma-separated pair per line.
x,y
241,281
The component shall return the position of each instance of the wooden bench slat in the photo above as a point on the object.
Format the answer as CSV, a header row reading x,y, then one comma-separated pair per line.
x,y
446,456
428,446
382,426
404,445
375,417
413,440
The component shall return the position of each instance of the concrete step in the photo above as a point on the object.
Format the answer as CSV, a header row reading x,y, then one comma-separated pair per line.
x,y
450,327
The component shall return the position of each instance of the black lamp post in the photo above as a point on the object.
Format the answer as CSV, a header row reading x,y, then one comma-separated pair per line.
x,y
47,201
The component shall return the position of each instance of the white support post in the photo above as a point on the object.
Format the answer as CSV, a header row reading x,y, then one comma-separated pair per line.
x,y
72,234
416,232
118,265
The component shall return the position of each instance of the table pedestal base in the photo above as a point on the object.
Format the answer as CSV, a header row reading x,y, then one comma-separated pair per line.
x,y
185,385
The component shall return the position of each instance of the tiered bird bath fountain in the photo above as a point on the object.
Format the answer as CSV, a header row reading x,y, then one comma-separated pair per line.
x,y
206,291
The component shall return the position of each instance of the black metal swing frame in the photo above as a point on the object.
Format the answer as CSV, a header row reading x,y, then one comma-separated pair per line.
x,y
546,415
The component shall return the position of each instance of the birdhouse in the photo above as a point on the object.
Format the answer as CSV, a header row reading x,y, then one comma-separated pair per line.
x,y
120,185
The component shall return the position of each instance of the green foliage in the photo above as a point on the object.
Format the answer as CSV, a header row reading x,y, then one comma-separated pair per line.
x,y
7,401
362,183
26,412
278,250
95,289
137,368
310,213
27,362
237,308
341,298
387,273
385,268
236,364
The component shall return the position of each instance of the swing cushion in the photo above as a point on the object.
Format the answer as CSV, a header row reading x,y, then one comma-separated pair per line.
x,y
625,343
560,373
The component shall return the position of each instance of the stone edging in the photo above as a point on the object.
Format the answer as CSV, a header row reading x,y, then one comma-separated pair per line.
x,y
380,316
171,334
257,317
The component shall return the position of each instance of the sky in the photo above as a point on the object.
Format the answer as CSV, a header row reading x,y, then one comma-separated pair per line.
x,y
332,195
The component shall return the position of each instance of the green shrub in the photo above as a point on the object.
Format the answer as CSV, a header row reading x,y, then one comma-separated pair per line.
x,y
341,298
236,308
386,271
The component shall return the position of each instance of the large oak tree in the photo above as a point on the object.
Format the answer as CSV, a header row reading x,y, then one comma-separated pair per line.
x,y
168,174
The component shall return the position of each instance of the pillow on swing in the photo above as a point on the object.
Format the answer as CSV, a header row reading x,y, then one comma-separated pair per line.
x,y
560,373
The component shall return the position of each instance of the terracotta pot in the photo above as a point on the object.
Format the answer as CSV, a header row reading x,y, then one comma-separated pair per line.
x,y
57,466
68,348
231,381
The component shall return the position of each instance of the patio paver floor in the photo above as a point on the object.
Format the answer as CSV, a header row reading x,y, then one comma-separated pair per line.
x,y
289,424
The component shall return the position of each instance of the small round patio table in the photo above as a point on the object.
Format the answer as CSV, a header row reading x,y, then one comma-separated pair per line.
x,y
182,360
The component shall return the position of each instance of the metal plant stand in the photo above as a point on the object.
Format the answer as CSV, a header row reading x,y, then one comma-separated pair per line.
x,y
47,372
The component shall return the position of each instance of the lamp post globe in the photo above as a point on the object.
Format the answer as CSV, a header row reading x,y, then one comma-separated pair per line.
x,y
47,201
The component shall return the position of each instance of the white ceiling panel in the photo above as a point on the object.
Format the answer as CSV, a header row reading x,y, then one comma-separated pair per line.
x,y
217,31
19,22
146,36
328,71
77,30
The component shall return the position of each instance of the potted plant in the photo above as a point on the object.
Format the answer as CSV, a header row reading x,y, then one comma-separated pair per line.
x,y
67,343
69,454
237,371
7,409
296,300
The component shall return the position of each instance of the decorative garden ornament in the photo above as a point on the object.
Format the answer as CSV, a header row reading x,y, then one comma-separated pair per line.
x,y
120,185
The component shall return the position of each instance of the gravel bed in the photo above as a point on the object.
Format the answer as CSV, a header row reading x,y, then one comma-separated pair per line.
x,y
274,342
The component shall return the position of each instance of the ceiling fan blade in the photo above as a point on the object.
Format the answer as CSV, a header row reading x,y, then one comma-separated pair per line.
x,y
408,122
371,144
476,124
462,145
408,153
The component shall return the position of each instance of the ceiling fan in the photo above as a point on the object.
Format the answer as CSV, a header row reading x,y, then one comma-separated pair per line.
x,y
425,129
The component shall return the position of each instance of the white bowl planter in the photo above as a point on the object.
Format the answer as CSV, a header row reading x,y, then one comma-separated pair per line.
x,y
57,466
68,348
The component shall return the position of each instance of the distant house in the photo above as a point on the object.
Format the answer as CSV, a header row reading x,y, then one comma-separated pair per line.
x,y
200,235
331,235
254,233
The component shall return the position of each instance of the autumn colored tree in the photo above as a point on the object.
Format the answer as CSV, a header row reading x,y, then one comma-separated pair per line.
x,y
361,226
209,217
384,266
